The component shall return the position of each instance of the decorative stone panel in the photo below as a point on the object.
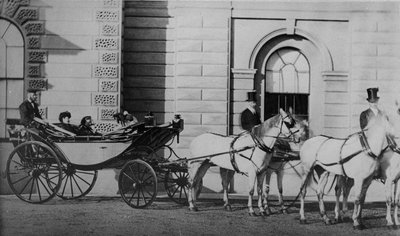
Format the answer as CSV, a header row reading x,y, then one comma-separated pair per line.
x,y
107,113
25,14
33,42
107,15
111,3
43,112
104,99
106,43
104,127
34,70
13,5
101,71
40,84
110,29
109,57
39,56
34,27
108,85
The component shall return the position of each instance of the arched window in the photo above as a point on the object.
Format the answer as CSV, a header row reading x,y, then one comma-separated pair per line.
x,y
12,65
287,82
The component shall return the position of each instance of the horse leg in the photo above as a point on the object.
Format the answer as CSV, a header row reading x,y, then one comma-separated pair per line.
x,y
226,176
279,179
347,185
252,183
303,192
320,193
266,188
196,174
260,182
361,187
396,203
389,200
338,191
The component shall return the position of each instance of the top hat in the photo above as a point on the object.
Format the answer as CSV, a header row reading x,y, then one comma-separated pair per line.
x,y
372,94
251,96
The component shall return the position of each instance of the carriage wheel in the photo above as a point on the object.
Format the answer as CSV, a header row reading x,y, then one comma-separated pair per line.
x,y
34,172
137,184
176,185
76,183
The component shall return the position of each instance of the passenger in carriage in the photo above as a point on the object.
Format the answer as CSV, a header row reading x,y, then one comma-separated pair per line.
x,y
85,128
64,119
373,109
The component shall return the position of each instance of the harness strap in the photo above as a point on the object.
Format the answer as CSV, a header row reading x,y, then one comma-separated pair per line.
x,y
392,144
260,144
365,145
232,155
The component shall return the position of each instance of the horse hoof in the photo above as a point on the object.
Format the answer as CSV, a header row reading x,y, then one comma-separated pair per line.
x,y
359,227
252,214
228,208
193,209
328,222
337,221
285,211
263,213
303,221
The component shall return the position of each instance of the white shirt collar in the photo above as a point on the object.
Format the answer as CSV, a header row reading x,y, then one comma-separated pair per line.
x,y
374,110
251,109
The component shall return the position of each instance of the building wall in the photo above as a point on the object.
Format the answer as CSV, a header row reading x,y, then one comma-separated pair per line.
x,y
73,51
208,63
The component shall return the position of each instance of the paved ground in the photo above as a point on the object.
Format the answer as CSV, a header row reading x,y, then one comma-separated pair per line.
x,y
96,215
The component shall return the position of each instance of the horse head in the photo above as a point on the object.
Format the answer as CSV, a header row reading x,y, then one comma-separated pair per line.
x,y
378,128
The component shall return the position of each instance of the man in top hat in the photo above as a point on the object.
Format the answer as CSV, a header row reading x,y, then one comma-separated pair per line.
x,y
29,108
373,110
250,117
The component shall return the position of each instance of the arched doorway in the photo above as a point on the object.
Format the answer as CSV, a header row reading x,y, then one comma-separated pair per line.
x,y
289,74
12,73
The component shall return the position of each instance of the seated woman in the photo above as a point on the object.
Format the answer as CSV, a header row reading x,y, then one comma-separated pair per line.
x,y
85,127
64,119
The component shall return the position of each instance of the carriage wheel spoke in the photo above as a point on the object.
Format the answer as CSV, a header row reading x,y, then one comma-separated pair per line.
x,y
73,177
65,185
25,185
30,193
20,178
47,190
38,189
81,179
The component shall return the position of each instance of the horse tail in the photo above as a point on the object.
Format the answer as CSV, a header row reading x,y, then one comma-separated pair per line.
x,y
304,185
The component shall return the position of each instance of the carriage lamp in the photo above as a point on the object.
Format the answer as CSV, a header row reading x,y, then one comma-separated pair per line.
x,y
177,122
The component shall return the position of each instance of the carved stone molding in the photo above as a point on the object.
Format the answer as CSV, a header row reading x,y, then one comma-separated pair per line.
x,y
39,84
104,99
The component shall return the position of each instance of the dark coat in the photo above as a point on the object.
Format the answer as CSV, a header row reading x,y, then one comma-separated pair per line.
x,y
28,112
248,120
365,116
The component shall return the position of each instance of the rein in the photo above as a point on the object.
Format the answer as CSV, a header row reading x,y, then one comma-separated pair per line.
x,y
392,144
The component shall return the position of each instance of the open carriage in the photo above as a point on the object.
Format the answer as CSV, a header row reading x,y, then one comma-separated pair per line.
x,y
40,165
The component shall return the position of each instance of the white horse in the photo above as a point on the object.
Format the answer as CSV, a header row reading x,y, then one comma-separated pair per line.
x,y
389,172
279,164
354,157
249,154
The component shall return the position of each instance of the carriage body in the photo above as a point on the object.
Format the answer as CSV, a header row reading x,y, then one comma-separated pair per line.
x,y
49,161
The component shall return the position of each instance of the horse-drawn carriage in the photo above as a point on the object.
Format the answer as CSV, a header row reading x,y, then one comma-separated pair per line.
x,y
40,167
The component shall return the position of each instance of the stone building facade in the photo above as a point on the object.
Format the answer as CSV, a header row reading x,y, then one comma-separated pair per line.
x,y
199,59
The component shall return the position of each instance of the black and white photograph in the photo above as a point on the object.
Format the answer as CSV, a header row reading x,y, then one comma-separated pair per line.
x,y
199,117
